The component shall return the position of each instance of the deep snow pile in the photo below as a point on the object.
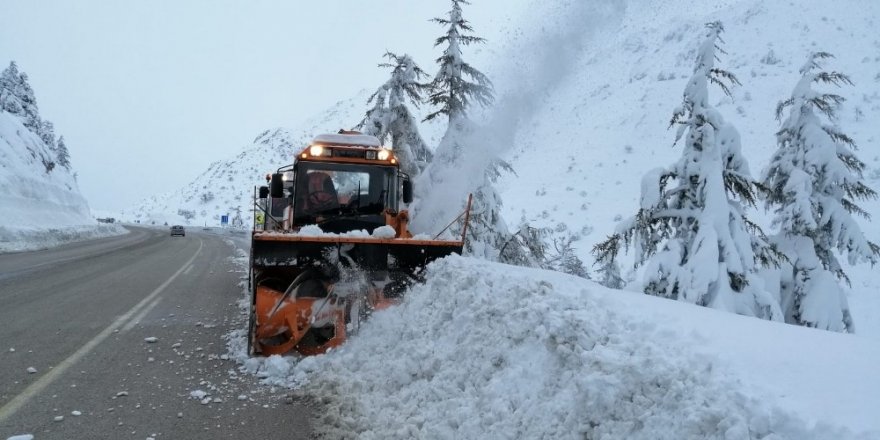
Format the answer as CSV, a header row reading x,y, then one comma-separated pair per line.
x,y
485,350
39,209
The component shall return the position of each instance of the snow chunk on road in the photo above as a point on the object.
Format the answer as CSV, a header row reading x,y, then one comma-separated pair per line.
x,y
384,232
31,370
275,366
198,394
151,339
21,437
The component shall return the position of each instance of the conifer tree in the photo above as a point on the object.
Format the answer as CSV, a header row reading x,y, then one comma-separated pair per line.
x,y
17,97
814,181
451,90
47,134
63,154
9,101
454,94
609,274
691,231
390,117
29,105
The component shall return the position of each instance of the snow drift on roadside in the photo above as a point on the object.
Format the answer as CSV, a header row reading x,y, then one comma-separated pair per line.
x,y
39,209
485,350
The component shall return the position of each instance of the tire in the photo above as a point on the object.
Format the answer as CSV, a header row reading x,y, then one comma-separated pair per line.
x,y
252,326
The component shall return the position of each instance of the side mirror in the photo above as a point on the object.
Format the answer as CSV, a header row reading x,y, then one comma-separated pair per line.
x,y
407,191
277,186
264,192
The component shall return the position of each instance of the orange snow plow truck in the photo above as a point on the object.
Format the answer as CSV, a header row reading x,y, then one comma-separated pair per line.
x,y
330,244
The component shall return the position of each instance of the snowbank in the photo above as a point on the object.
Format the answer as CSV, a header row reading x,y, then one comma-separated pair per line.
x,y
39,208
484,350
23,239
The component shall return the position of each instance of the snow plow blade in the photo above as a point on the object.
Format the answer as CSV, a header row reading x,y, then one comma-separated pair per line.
x,y
310,314
370,253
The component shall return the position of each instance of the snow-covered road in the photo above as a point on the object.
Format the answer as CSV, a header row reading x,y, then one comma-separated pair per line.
x,y
122,338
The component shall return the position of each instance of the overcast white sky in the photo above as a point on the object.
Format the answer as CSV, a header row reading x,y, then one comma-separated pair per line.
x,y
148,93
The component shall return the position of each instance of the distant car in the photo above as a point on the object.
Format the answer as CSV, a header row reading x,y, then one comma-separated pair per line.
x,y
178,230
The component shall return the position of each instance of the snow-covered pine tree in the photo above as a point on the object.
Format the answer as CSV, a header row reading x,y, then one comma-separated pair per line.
x,y
17,97
691,230
375,122
454,95
47,134
813,181
609,275
29,104
63,154
450,90
529,238
9,101
390,116
563,258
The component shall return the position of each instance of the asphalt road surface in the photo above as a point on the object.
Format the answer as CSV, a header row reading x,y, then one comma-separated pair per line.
x,y
75,361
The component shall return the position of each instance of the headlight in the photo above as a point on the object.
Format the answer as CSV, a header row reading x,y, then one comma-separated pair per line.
x,y
316,150
384,154
371,155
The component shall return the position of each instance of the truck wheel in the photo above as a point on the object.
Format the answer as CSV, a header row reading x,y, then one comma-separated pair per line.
x,y
252,328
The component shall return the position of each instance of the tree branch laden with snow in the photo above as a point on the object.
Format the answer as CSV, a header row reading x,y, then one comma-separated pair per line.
x,y
691,233
814,180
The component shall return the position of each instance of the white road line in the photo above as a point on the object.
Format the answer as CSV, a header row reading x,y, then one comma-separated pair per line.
x,y
140,316
188,270
18,401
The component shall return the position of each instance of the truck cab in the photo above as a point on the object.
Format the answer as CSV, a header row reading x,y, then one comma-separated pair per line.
x,y
340,182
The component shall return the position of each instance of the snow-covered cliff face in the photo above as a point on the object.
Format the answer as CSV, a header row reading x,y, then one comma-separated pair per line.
x,y
38,199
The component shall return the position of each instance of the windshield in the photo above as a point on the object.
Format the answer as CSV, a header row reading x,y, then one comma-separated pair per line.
x,y
326,189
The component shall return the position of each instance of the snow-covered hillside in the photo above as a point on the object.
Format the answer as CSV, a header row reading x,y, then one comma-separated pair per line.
x,y
607,125
40,204
604,126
